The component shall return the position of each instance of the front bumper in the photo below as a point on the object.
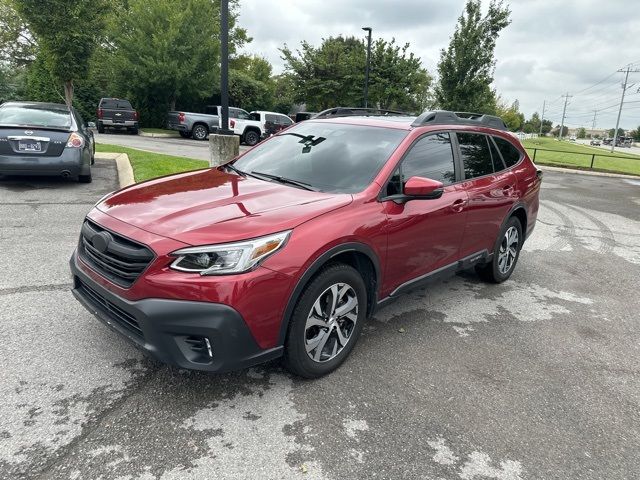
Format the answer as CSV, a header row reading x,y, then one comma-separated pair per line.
x,y
173,331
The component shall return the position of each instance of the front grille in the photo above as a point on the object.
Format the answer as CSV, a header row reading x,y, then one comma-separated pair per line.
x,y
118,315
113,256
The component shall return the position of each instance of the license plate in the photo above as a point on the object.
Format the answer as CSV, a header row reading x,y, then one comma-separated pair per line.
x,y
26,146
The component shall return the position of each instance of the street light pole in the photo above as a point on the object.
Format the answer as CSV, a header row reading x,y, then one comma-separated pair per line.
x,y
366,74
224,66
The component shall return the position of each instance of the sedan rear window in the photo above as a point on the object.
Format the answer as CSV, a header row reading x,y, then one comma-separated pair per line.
x,y
35,116
330,157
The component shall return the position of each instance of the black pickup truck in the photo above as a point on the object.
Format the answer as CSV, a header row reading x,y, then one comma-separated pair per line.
x,y
117,113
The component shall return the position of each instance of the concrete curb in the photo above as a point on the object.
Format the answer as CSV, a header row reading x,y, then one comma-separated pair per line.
x,y
123,167
585,172
158,135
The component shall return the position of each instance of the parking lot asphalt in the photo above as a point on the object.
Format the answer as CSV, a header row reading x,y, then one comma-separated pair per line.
x,y
179,147
536,378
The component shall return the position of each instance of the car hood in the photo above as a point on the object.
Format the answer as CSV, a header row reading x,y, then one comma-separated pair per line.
x,y
210,206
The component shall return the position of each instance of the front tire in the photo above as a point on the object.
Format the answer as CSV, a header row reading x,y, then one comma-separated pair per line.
x,y
326,322
505,253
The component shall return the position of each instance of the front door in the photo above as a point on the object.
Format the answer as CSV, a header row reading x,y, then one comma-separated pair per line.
x,y
424,235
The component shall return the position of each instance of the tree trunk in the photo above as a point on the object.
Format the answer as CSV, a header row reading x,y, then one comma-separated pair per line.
x,y
68,92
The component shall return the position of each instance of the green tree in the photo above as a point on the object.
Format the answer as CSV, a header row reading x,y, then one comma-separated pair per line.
x,y
533,124
167,54
67,32
556,131
636,134
582,133
329,75
510,114
333,74
397,78
612,132
248,92
283,95
17,45
466,67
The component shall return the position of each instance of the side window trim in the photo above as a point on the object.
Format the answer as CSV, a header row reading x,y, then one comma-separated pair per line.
x,y
459,174
500,161
520,154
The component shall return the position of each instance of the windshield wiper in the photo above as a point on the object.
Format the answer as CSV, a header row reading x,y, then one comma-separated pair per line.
x,y
234,169
278,178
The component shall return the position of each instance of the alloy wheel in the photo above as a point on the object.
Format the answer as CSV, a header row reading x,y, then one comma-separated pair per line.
x,y
199,132
508,250
331,322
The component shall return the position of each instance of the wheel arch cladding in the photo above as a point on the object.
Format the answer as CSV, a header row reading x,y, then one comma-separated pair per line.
x,y
359,256
521,214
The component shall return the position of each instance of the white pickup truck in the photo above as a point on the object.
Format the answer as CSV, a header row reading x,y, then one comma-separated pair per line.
x,y
199,125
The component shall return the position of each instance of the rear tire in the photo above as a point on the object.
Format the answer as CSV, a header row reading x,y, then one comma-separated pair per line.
x,y
200,132
505,253
326,322
251,138
134,131
100,127
185,134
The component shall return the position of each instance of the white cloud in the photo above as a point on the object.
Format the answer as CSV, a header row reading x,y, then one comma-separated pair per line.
x,y
550,47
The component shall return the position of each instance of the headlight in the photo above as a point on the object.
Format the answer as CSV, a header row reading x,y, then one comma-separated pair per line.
x,y
228,258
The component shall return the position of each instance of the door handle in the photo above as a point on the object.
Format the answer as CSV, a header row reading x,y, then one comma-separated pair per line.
x,y
458,205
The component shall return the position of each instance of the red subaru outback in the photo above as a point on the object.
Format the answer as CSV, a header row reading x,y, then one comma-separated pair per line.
x,y
288,249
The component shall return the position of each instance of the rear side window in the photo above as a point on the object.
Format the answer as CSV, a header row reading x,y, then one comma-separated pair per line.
x,y
284,120
510,154
475,153
271,118
35,116
430,157
113,104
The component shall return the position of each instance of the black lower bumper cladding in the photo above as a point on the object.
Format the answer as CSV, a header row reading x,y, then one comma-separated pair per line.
x,y
193,335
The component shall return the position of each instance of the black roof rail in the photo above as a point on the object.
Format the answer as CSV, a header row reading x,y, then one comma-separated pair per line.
x,y
357,111
437,117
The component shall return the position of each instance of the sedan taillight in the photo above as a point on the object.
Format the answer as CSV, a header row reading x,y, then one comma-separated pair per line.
x,y
75,141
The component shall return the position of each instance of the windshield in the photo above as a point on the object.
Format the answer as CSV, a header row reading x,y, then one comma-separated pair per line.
x,y
35,116
330,157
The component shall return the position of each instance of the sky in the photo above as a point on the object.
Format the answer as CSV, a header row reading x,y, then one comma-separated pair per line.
x,y
551,47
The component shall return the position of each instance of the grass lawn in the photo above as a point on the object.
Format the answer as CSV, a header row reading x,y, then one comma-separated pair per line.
x,y
148,165
159,130
569,155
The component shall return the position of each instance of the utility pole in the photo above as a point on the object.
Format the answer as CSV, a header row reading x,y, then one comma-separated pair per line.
x,y
593,125
624,89
366,73
564,111
544,104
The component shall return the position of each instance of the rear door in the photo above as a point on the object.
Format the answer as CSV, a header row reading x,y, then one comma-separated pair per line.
x,y
491,190
424,235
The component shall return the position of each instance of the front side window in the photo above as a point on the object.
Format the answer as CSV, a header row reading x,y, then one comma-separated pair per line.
x,y
510,154
431,157
270,118
242,115
475,153
329,157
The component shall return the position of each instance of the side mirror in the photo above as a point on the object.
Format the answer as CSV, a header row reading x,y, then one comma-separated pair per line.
x,y
91,125
425,188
